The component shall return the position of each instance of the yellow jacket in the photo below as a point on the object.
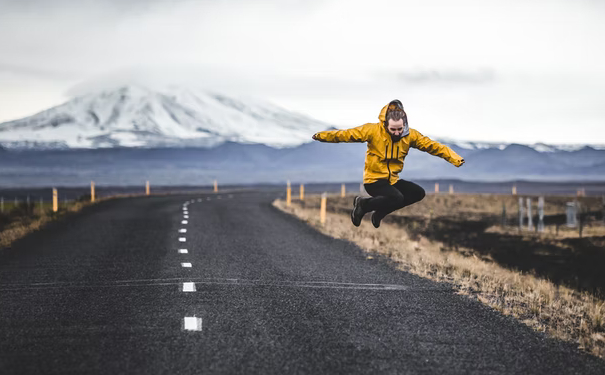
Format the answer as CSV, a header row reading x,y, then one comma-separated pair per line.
x,y
384,158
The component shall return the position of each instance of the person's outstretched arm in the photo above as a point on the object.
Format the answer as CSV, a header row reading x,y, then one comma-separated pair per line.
x,y
426,144
358,134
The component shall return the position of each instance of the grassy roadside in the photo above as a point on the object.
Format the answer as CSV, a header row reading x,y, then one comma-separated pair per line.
x,y
560,311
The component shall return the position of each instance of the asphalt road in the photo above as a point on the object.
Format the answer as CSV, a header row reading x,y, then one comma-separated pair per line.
x,y
102,292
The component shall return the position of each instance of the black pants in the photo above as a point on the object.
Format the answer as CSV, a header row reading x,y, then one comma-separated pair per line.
x,y
387,198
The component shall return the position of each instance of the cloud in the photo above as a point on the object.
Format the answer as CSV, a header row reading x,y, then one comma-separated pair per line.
x,y
336,60
448,76
36,6
38,72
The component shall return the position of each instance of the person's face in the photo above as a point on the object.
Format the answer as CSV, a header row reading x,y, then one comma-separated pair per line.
x,y
395,127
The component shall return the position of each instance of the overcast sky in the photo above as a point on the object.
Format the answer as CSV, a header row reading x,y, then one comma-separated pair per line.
x,y
504,70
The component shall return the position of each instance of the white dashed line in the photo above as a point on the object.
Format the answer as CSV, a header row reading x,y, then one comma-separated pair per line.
x,y
208,198
230,196
199,200
191,323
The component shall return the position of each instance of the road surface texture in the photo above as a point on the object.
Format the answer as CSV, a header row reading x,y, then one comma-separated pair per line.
x,y
226,283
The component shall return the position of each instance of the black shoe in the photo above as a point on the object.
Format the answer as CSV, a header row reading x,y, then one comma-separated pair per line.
x,y
375,220
357,212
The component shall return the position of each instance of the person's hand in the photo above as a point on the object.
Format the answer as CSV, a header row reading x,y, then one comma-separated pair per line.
x,y
314,136
461,162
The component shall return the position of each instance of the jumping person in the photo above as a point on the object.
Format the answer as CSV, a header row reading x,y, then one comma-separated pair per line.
x,y
389,142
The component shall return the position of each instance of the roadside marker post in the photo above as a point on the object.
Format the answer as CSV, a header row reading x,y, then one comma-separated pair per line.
x,y
288,195
147,188
541,214
55,200
521,213
436,187
302,192
514,189
530,222
322,209
451,189
342,190
572,219
579,209
92,191
215,186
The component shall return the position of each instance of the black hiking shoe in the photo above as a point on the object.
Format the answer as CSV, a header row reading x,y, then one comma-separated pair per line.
x,y
375,220
357,212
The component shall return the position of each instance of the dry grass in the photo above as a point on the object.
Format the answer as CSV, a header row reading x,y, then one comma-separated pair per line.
x,y
561,312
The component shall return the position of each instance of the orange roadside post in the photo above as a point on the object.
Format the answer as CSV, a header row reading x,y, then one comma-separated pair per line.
x,y
322,209
55,201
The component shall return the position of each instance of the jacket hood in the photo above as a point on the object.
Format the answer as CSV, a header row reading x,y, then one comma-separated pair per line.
x,y
383,115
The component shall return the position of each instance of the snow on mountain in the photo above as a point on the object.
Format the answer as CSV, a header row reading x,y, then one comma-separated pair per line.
x,y
540,147
470,145
135,116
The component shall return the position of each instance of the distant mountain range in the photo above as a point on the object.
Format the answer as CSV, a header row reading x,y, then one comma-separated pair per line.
x,y
235,163
180,137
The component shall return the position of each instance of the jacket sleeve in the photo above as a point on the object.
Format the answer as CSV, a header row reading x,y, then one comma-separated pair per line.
x,y
361,133
426,144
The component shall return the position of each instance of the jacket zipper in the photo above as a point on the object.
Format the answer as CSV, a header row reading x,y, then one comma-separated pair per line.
x,y
386,151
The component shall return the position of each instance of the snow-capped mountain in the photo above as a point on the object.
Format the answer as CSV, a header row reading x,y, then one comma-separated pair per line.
x,y
135,116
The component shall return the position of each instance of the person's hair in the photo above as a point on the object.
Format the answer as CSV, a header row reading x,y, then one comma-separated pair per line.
x,y
395,115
